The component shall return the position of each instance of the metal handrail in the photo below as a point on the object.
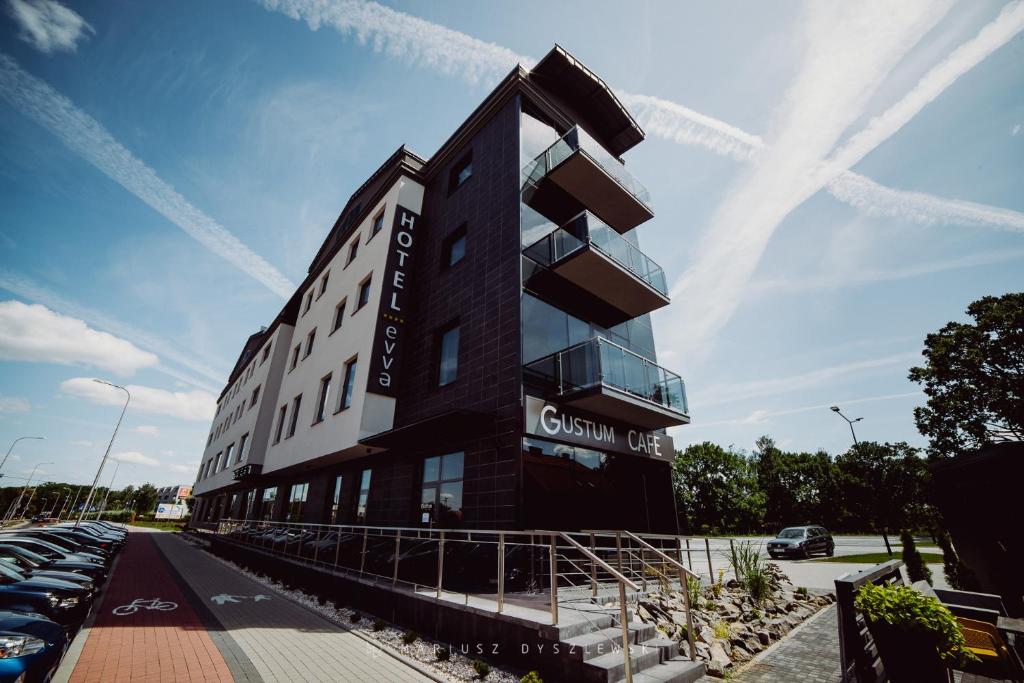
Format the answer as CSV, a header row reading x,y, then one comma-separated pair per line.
x,y
594,558
683,587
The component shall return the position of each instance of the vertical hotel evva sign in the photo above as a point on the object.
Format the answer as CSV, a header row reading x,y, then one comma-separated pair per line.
x,y
393,317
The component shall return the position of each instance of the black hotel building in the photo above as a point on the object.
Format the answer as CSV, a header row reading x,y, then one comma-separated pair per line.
x,y
472,346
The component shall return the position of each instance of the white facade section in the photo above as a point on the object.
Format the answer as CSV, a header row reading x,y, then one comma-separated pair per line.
x,y
336,433
238,415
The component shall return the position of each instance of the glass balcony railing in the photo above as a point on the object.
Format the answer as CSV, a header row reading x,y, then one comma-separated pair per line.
x,y
600,363
577,140
586,229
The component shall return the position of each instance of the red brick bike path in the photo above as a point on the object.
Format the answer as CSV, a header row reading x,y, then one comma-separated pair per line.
x,y
149,644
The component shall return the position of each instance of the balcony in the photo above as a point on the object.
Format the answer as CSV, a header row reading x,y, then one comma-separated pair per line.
x,y
622,281
606,379
576,173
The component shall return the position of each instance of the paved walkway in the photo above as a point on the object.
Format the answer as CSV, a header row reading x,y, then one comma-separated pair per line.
x,y
224,627
809,654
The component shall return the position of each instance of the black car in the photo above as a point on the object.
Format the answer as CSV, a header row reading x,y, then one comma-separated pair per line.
x,y
91,532
802,541
90,570
30,647
56,534
69,544
64,602
49,550
22,564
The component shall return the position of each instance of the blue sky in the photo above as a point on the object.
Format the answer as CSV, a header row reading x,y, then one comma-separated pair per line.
x,y
830,181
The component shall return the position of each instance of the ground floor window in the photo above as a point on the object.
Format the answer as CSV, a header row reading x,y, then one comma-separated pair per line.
x,y
335,500
250,504
441,494
364,496
267,506
296,501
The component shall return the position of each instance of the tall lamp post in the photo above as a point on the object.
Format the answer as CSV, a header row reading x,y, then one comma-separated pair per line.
x,y
96,480
835,409
103,507
29,483
20,438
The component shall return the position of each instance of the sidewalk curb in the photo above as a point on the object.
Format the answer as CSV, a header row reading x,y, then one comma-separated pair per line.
x,y
411,663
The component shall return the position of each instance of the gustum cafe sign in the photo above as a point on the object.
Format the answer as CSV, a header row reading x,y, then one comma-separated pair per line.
x,y
552,421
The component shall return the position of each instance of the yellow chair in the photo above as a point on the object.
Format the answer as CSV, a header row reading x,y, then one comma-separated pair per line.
x,y
983,639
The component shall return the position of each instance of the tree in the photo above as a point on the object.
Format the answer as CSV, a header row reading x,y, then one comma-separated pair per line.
x,y
145,499
799,488
716,489
974,379
917,570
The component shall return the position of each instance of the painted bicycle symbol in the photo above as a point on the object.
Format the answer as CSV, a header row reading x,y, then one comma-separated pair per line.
x,y
141,603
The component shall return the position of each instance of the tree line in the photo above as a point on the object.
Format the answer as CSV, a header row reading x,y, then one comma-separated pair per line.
x,y
49,497
871,487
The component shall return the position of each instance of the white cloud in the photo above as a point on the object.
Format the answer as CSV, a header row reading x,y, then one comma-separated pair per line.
x,y
741,391
764,416
185,405
88,138
48,25
190,468
26,288
35,333
147,430
135,458
14,404
873,199
1015,130
850,49
167,454
83,443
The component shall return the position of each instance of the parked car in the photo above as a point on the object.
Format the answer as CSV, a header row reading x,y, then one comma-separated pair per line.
x,y
69,544
31,647
64,602
96,545
50,550
29,568
91,570
94,530
801,541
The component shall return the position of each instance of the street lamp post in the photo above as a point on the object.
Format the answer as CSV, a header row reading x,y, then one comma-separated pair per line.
x,y
96,480
71,510
109,486
29,483
20,438
835,409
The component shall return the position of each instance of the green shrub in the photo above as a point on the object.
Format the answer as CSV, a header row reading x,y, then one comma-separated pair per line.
x,y
409,637
911,611
721,630
482,668
958,574
752,570
693,591
355,617
442,654
802,592
532,677
917,570
379,624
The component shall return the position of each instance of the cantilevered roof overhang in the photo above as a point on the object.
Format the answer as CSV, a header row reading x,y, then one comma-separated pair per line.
x,y
589,99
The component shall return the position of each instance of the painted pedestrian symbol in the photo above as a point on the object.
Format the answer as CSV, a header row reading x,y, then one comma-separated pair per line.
x,y
143,603
224,598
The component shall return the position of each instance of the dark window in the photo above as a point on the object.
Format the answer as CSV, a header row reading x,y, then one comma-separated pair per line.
x,y
335,500
295,357
353,249
321,404
250,503
267,508
227,456
255,397
339,315
378,223
280,423
364,294
310,338
441,496
461,172
243,447
296,402
454,247
448,356
266,354
323,284
296,501
364,496
349,385
309,302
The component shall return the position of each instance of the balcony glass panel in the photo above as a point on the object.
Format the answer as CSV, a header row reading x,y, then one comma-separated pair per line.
x,y
599,362
577,140
587,228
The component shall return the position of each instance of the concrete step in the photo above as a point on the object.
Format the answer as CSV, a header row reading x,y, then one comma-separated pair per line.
x,y
611,666
596,643
676,670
